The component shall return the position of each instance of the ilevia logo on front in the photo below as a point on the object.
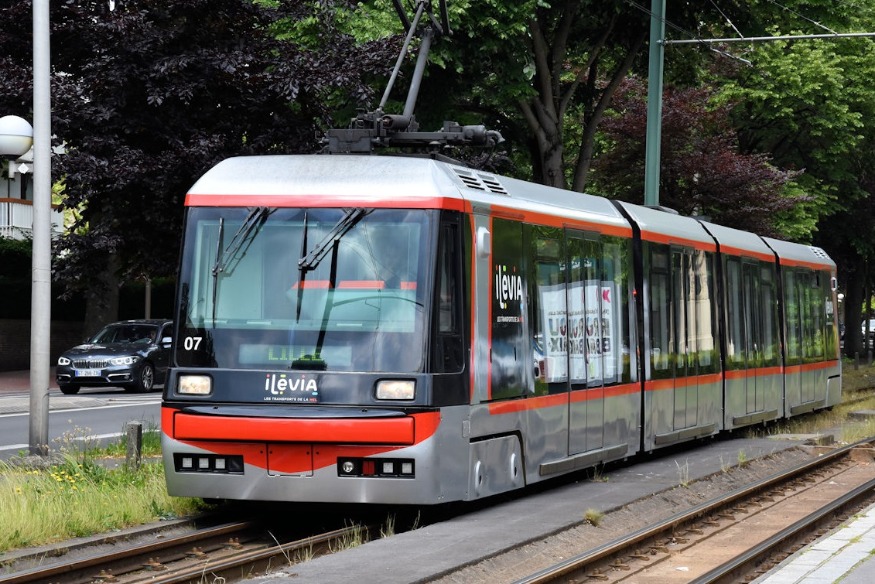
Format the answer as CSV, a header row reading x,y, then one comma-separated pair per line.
x,y
285,387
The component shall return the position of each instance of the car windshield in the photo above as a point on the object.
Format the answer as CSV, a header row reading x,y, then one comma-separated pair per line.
x,y
126,333
328,289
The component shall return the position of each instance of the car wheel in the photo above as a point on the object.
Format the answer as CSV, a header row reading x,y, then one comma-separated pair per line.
x,y
145,380
68,389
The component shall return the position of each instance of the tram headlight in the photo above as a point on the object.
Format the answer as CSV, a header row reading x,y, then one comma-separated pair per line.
x,y
396,389
195,385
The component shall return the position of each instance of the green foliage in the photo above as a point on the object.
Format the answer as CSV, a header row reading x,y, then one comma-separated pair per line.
x,y
149,95
798,103
702,172
15,258
799,222
80,498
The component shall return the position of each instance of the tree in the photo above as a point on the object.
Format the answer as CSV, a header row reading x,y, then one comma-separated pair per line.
x,y
544,74
148,95
810,105
702,171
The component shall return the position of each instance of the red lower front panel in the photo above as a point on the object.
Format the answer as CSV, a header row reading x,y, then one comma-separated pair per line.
x,y
295,446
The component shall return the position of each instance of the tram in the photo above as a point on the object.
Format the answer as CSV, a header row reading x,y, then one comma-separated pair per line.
x,y
406,330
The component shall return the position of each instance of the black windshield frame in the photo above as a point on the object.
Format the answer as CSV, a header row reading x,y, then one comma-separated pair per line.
x,y
383,315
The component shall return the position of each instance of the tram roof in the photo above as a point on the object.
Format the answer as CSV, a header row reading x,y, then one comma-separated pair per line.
x,y
345,180
737,242
800,254
662,226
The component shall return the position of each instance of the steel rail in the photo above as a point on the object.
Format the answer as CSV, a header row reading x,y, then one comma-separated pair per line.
x,y
42,574
249,558
613,547
724,571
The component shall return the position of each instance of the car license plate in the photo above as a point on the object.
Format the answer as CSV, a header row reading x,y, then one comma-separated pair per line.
x,y
88,373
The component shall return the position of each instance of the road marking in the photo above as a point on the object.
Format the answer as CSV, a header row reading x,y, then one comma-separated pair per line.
x,y
89,438
24,405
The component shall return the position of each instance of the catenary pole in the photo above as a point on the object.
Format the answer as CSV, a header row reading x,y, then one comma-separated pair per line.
x,y
41,272
658,42
652,151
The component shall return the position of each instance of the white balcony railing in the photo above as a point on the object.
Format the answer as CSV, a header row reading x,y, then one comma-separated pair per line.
x,y
16,219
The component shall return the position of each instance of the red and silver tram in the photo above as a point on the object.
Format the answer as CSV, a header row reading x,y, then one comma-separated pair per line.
x,y
366,329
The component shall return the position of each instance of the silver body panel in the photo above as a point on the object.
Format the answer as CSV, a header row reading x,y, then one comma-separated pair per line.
x,y
487,446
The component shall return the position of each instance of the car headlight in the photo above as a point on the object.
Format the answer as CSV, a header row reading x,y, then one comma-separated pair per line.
x,y
63,361
121,361
195,385
396,389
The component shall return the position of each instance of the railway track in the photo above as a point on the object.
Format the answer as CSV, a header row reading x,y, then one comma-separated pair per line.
x,y
729,538
238,549
227,552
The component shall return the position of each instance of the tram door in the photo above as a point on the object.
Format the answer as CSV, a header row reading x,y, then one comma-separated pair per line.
x,y
686,390
586,339
753,334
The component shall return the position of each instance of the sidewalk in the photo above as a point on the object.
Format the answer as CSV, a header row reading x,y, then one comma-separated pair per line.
x,y
19,381
844,555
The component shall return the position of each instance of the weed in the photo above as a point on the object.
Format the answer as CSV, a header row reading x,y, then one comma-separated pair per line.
x,y
71,495
388,529
279,545
351,539
684,473
593,517
598,475
742,458
303,554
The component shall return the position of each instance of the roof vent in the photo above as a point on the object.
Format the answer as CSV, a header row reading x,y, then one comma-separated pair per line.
x,y
818,252
479,181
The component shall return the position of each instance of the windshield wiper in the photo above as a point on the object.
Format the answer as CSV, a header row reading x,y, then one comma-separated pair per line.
x,y
256,218
341,228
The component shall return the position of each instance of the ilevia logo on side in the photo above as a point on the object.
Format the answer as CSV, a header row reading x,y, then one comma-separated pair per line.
x,y
290,388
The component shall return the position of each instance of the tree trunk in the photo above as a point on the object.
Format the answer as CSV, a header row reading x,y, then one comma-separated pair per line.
x,y
102,298
853,309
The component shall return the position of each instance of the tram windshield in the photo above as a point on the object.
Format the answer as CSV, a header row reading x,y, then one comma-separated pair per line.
x,y
309,289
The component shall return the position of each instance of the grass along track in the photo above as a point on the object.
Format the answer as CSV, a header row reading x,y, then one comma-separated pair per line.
x,y
229,552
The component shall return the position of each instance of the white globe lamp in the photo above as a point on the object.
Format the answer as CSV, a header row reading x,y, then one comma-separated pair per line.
x,y
16,136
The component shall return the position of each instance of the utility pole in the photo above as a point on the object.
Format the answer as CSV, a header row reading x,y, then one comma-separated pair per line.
x,y
658,42
652,152
41,272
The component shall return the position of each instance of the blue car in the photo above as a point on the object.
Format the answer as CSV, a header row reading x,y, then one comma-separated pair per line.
x,y
132,354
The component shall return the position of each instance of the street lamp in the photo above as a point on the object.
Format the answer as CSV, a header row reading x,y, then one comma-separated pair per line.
x,y
16,137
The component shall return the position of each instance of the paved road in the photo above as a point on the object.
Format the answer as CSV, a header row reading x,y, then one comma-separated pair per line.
x,y
93,415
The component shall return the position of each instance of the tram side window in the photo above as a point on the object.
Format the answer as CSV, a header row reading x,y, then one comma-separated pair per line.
x,y
751,315
511,355
812,317
548,313
793,312
616,267
735,344
705,315
681,342
449,345
593,262
768,311
802,317
660,312
831,335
